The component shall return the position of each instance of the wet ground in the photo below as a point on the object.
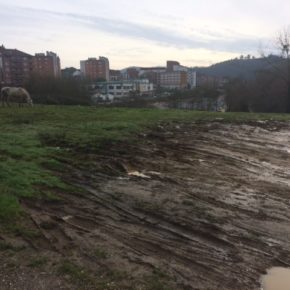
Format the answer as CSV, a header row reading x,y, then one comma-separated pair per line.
x,y
188,206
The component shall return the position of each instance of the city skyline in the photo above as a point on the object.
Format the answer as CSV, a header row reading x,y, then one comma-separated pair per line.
x,y
144,34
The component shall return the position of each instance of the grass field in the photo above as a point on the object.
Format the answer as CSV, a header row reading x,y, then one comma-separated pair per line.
x,y
31,138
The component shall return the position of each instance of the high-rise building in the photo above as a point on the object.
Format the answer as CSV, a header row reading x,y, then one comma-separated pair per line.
x,y
15,67
46,64
94,68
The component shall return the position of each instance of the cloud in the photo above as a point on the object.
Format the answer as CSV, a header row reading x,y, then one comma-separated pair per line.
x,y
166,37
198,38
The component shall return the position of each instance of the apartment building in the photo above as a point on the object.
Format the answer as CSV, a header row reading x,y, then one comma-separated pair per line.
x,y
173,80
177,76
15,67
95,69
46,64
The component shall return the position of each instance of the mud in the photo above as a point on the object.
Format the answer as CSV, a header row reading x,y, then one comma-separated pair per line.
x,y
188,206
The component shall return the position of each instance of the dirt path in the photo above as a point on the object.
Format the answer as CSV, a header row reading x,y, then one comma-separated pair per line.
x,y
189,206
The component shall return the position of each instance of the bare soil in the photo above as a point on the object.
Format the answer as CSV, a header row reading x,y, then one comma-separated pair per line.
x,y
188,206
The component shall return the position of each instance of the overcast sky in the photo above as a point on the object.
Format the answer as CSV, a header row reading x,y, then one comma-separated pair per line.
x,y
149,32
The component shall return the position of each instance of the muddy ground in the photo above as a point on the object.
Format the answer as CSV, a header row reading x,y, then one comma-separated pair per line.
x,y
187,206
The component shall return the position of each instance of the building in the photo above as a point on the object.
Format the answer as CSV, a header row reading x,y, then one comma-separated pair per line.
x,y
115,75
96,69
177,76
15,67
71,73
124,88
171,64
46,64
191,78
132,73
173,80
150,73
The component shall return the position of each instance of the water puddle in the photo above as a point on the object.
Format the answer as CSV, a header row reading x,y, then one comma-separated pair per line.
x,y
276,279
138,174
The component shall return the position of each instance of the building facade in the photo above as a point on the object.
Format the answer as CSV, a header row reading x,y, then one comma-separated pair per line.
x,y
94,69
173,80
46,64
191,78
120,89
15,67
171,64
115,75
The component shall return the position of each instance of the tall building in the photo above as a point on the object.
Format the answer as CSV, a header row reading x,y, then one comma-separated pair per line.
x,y
46,64
15,67
94,68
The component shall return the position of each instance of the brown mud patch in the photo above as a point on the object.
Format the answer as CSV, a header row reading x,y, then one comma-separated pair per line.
x,y
188,206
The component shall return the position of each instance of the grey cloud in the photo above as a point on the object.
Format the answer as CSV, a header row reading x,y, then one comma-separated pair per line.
x,y
196,40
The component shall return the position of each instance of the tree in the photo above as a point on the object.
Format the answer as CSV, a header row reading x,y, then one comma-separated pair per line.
x,y
283,42
237,95
50,90
280,62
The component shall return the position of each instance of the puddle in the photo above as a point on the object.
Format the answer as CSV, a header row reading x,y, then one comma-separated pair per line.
x,y
138,174
276,279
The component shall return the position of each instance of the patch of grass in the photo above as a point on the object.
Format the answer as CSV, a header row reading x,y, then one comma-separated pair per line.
x,y
188,202
157,281
76,273
147,206
38,262
5,246
23,231
9,206
100,253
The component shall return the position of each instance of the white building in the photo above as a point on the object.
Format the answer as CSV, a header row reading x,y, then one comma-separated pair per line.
x,y
120,89
191,78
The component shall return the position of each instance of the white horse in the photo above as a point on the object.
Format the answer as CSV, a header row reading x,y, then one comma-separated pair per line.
x,y
15,95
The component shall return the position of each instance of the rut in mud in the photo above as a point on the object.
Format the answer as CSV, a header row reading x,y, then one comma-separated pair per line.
x,y
203,205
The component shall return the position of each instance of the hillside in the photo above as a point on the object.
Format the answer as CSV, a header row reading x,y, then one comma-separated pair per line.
x,y
242,68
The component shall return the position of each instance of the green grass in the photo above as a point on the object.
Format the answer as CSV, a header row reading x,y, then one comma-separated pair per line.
x,y
38,262
100,253
76,273
32,139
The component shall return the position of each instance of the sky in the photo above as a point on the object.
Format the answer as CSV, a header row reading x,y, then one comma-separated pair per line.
x,y
143,33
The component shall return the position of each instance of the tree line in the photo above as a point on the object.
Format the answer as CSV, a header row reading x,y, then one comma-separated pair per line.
x,y
58,91
269,91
